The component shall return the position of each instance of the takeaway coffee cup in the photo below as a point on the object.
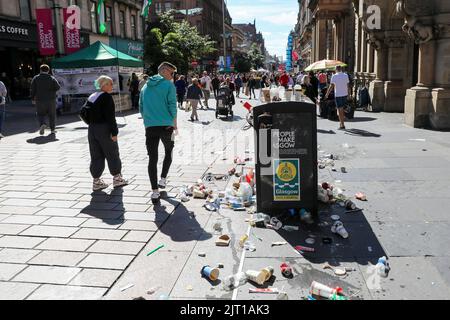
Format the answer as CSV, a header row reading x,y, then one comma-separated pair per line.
x,y
210,273
258,277
268,272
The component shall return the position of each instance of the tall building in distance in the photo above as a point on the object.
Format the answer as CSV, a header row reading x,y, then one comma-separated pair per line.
x,y
206,15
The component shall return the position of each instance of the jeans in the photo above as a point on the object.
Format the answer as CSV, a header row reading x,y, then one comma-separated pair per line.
x,y
153,136
101,147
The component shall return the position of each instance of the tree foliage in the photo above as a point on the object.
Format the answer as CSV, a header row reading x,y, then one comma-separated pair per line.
x,y
242,63
256,57
176,42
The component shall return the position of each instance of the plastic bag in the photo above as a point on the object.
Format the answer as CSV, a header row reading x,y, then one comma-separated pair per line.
x,y
245,191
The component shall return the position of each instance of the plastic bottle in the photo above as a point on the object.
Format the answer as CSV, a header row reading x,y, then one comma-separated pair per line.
x,y
234,281
383,267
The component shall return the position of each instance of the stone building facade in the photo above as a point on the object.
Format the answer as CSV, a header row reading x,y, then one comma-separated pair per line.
x,y
124,32
404,60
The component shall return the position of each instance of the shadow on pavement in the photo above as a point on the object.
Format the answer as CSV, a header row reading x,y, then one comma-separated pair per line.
x,y
182,225
97,208
362,245
43,139
362,133
326,131
362,119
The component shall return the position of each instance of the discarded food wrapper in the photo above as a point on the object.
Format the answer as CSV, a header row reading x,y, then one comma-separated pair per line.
x,y
128,286
337,271
290,228
275,223
286,270
278,243
361,196
304,249
263,290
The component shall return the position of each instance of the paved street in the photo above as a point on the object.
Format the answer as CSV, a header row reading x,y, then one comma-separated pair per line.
x,y
58,240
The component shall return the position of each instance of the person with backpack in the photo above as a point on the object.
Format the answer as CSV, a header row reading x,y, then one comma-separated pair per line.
x,y
102,135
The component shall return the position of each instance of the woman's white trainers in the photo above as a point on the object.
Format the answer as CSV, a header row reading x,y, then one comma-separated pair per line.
x,y
162,183
119,181
99,184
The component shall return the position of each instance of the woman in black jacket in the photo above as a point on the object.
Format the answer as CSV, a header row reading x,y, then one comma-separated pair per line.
x,y
102,135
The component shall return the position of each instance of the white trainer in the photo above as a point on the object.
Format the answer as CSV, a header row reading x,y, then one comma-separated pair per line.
x,y
99,184
119,181
162,183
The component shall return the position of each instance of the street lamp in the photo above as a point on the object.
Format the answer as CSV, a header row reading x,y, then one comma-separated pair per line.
x,y
224,38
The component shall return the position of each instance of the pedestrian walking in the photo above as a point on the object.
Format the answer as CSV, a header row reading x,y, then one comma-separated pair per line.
x,y
134,90
323,80
284,80
342,91
181,86
215,82
102,135
310,91
206,83
43,95
245,84
3,95
158,106
251,86
238,85
315,83
194,94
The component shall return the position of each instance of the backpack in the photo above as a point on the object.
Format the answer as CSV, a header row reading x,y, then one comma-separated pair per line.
x,y
84,113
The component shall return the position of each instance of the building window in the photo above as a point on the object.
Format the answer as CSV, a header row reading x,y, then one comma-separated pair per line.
x,y
122,24
133,28
158,9
25,10
109,23
94,17
168,6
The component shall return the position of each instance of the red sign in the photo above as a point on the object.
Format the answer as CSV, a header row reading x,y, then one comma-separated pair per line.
x,y
71,32
46,36
295,56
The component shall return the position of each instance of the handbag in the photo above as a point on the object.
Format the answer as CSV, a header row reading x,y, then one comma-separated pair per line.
x,y
84,113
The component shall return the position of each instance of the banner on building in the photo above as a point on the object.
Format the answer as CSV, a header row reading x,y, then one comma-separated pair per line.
x,y
72,38
46,36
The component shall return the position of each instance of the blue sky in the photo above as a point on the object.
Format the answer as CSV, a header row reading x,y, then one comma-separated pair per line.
x,y
274,19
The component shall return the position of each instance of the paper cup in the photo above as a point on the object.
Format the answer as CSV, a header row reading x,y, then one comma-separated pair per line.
x,y
210,273
256,276
268,272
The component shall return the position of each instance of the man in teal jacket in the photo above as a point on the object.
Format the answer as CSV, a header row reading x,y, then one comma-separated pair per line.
x,y
158,107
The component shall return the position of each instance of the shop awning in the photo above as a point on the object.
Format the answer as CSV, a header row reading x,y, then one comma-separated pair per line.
x,y
96,55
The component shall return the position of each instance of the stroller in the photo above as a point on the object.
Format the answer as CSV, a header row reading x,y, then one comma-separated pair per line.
x,y
327,107
224,102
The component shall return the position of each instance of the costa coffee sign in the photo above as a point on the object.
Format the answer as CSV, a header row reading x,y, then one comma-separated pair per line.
x,y
11,30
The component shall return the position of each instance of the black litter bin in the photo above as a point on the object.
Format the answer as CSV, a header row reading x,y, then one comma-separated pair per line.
x,y
286,156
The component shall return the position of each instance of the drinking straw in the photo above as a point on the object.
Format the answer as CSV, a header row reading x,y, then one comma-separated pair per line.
x,y
159,247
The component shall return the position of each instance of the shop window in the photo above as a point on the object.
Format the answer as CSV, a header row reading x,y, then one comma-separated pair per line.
x,y
94,17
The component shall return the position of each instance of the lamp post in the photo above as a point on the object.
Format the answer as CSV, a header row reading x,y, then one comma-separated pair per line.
x,y
224,37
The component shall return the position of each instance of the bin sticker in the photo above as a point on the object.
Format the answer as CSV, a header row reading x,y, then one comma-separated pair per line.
x,y
286,180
